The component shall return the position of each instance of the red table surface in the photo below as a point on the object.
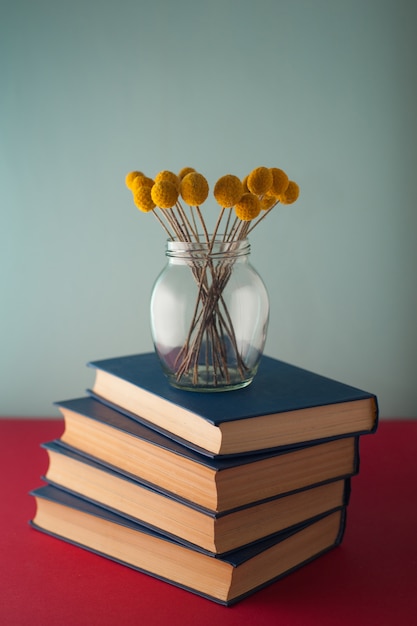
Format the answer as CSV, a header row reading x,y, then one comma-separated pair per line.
x,y
370,579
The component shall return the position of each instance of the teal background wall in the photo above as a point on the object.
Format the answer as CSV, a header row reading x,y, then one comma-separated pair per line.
x,y
90,89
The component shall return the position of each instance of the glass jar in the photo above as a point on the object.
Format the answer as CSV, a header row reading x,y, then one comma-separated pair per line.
x,y
209,315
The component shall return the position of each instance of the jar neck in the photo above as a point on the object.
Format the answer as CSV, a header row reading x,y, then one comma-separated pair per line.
x,y
218,250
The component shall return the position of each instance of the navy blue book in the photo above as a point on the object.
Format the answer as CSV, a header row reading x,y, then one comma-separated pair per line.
x,y
219,484
217,533
284,406
224,579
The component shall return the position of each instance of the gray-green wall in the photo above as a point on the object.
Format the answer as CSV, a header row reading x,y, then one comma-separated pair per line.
x,y
90,89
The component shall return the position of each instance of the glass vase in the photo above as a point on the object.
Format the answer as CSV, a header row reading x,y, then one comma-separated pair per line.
x,y
209,315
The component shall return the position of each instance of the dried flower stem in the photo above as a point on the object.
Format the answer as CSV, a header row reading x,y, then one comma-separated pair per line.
x,y
203,223
188,227
211,318
262,217
160,220
226,228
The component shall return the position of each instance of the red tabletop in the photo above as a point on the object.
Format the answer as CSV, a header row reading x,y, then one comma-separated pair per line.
x,y
370,579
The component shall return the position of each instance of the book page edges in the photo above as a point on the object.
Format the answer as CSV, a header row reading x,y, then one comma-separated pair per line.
x,y
312,542
300,426
159,411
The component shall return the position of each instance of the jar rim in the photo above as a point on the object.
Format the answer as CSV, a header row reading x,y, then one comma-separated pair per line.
x,y
218,248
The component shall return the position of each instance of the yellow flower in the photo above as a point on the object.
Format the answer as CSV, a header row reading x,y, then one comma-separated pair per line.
x,y
248,207
184,171
131,177
228,190
167,175
143,199
259,180
291,193
164,193
194,189
279,181
267,202
140,181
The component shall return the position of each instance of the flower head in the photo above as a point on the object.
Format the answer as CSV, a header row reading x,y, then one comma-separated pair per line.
x,y
248,207
267,202
279,181
140,181
259,180
184,171
194,188
130,177
164,193
291,193
143,199
228,190
167,175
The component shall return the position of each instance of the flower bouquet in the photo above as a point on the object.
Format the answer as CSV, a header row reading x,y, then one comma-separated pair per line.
x,y
209,322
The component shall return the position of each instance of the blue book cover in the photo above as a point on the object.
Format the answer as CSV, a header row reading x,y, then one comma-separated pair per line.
x,y
284,405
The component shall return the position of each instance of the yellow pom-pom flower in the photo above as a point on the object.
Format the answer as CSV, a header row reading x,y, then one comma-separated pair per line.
x,y
248,207
167,175
291,193
279,181
228,190
130,177
184,171
267,202
143,199
259,180
164,194
194,189
140,181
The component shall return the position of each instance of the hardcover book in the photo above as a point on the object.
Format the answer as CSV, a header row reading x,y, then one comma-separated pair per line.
x,y
218,484
224,579
284,406
216,533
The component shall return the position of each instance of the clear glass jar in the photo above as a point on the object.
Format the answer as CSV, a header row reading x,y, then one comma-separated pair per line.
x,y
209,315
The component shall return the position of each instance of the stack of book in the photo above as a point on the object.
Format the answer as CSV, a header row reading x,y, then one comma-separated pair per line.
x,y
218,493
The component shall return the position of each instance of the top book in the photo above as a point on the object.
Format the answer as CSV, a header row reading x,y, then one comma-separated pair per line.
x,y
284,406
